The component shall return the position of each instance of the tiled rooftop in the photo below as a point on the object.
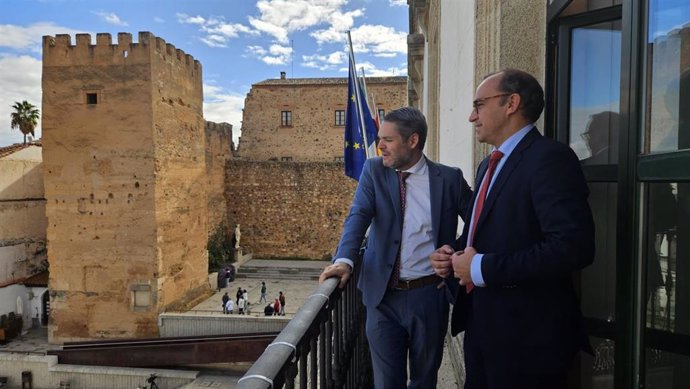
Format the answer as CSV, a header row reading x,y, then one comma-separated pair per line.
x,y
7,150
328,81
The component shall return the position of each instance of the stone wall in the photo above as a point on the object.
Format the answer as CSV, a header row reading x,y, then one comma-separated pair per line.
x,y
219,148
288,209
22,216
125,184
313,135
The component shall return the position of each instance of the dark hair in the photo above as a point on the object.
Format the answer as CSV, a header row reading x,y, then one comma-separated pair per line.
x,y
524,84
408,121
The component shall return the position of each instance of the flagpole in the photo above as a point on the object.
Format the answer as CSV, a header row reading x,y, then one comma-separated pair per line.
x,y
357,99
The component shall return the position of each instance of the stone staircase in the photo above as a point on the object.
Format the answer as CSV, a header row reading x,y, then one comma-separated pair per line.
x,y
288,271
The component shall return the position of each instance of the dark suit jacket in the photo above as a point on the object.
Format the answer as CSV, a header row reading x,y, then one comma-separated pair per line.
x,y
535,230
377,203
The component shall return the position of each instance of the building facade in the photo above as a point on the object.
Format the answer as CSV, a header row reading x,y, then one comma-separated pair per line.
x,y
617,80
303,119
22,231
125,184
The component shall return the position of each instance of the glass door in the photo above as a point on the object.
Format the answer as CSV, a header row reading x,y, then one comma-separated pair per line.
x,y
663,167
588,110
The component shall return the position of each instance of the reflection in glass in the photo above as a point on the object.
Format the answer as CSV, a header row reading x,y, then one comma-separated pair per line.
x,y
595,88
666,370
668,242
601,138
668,281
667,123
599,279
596,372
580,6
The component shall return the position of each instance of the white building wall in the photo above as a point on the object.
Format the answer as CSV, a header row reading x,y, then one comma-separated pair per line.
x,y
456,135
30,302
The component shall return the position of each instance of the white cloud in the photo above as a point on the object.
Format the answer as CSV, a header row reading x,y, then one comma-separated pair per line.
x,y
397,3
186,19
275,55
339,24
324,62
370,70
158,20
30,37
381,41
223,106
111,18
217,31
18,86
281,17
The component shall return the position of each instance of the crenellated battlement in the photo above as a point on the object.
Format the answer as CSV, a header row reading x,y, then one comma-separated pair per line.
x,y
58,50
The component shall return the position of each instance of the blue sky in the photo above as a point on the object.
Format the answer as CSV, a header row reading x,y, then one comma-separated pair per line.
x,y
239,42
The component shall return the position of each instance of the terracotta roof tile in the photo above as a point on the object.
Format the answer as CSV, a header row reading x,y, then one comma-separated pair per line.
x,y
7,150
328,81
40,279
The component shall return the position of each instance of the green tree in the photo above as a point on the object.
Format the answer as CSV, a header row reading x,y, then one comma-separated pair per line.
x,y
220,248
25,117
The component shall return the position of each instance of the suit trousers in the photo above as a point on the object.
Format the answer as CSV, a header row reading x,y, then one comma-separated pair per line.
x,y
508,368
408,323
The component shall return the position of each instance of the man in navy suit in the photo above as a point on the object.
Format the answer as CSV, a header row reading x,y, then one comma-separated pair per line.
x,y
531,228
407,304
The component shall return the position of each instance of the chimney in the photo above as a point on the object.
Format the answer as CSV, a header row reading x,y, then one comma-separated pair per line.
x,y
282,75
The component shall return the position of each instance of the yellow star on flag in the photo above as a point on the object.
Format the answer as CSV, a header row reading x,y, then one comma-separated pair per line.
x,y
356,146
352,97
347,144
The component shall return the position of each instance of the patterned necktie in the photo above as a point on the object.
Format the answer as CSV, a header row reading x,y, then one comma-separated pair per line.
x,y
395,277
493,162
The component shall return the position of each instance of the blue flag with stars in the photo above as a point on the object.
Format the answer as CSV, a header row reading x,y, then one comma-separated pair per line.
x,y
355,149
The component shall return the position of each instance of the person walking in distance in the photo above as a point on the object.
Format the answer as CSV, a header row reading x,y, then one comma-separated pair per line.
x,y
531,228
281,298
225,301
263,292
410,206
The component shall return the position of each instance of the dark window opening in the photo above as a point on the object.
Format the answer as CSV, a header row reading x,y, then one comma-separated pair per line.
x,y
92,98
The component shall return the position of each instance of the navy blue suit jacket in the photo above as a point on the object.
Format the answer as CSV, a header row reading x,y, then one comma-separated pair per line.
x,y
377,203
535,231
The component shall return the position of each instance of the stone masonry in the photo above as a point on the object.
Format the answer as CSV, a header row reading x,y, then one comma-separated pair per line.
x,y
313,134
288,210
125,184
219,149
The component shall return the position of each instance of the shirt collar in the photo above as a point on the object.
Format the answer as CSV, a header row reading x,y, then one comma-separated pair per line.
x,y
419,168
509,145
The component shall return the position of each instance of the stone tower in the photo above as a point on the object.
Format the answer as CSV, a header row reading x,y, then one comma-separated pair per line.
x,y
125,184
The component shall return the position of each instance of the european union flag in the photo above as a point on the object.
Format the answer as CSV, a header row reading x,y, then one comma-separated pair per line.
x,y
355,149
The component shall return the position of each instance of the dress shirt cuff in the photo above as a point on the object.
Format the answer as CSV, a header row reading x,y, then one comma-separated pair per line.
x,y
476,270
346,261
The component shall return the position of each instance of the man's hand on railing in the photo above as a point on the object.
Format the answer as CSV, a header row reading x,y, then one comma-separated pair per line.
x,y
340,269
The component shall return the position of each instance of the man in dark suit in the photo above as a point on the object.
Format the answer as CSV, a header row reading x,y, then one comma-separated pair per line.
x,y
411,205
531,228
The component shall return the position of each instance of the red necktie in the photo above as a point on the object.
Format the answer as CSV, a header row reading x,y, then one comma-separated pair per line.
x,y
395,277
493,162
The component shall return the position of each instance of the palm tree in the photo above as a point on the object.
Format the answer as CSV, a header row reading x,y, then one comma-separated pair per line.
x,y
25,117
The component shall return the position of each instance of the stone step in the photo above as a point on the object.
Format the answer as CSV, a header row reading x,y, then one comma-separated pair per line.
x,y
278,276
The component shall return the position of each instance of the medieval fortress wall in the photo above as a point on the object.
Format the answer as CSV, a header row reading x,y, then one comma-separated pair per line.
x,y
125,183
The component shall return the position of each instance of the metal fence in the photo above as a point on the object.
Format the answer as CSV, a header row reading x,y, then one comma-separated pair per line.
x,y
323,346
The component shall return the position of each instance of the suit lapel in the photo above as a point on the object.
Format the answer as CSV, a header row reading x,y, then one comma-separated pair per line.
x,y
436,196
394,192
507,169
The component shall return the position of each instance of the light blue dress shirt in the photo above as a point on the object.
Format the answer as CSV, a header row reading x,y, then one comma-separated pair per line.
x,y
506,148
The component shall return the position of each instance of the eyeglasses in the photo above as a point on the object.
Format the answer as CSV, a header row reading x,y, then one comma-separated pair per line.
x,y
478,103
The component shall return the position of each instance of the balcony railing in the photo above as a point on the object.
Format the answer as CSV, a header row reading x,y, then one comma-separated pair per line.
x,y
323,346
